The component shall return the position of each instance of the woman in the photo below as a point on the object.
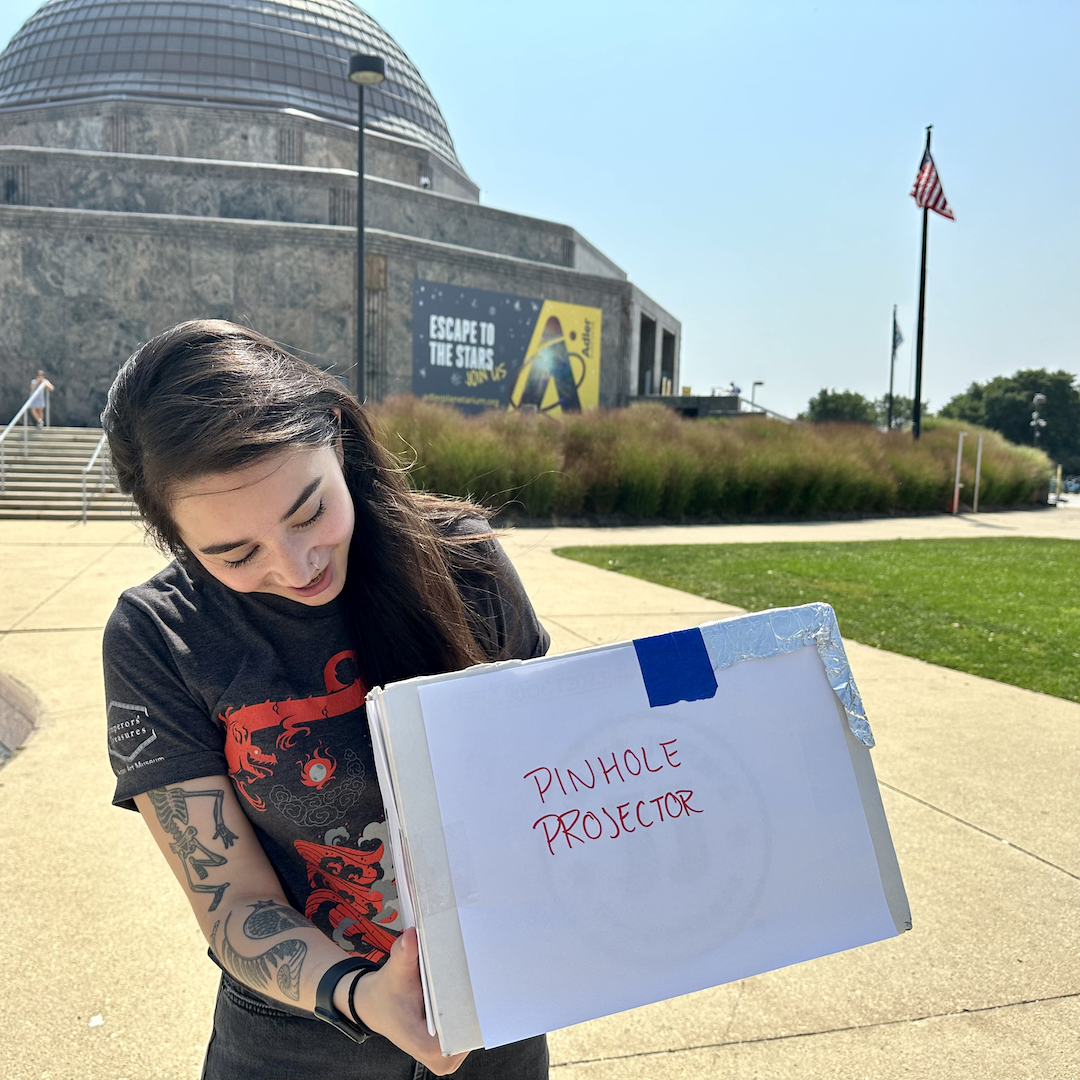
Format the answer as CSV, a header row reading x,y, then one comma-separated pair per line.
x,y
40,384
305,572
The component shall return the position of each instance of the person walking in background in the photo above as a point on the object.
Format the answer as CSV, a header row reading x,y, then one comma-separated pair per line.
x,y
38,386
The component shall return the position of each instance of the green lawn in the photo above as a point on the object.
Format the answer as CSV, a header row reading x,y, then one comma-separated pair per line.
x,y
1004,608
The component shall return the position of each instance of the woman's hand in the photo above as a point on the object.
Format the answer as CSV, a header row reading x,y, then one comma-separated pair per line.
x,y
391,1002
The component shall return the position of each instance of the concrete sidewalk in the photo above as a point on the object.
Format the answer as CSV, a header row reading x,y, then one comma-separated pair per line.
x,y
979,782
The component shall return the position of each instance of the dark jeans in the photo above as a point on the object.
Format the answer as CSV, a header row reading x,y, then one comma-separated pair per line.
x,y
254,1041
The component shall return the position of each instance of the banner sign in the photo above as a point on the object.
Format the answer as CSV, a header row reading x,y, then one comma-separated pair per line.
x,y
479,350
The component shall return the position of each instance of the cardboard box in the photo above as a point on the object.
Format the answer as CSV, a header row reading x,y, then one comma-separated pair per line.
x,y
582,834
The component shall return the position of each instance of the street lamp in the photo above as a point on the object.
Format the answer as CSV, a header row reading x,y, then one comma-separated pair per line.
x,y
753,391
1037,423
364,71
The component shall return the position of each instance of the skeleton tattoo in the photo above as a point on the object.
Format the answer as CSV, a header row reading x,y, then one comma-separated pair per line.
x,y
171,806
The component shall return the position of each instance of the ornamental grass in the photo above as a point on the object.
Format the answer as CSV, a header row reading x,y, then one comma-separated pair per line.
x,y
648,463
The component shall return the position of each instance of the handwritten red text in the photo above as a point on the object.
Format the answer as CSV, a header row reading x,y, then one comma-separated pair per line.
x,y
610,769
573,826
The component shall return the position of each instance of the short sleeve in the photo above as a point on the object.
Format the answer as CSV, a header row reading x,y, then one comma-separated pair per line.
x,y
158,731
507,624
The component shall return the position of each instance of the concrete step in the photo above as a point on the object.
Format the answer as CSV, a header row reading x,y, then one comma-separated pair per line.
x,y
57,489
60,452
53,500
52,497
52,437
93,513
47,482
45,476
40,475
36,432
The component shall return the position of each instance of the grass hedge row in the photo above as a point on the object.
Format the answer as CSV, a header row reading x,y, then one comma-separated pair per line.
x,y
648,462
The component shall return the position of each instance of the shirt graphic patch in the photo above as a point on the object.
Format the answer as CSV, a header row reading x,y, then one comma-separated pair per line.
x,y
353,893
130,736
281,723
316,809
317,769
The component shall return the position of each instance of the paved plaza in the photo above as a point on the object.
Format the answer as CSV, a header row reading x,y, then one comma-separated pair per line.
x,y
978,780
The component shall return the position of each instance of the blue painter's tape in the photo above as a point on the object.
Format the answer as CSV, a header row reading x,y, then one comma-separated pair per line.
x,y
676,667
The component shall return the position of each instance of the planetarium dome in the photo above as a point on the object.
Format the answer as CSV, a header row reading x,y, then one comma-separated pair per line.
x,y
264,53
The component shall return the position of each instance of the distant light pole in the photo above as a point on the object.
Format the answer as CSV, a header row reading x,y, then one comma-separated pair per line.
x,y
753,391
364,71
1037,423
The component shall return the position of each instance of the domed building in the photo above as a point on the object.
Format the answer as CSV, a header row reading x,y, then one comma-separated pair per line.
x,y
163,160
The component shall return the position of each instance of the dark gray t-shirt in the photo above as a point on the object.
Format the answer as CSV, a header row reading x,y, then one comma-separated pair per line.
x,y
204,681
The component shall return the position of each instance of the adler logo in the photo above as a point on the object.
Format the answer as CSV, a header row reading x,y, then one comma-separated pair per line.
x,y
586,339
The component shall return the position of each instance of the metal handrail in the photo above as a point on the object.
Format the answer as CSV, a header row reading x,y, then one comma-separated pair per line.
x,y
760,410
86,471
30,403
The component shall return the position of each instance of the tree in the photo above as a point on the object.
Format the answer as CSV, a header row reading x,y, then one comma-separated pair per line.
x,y
901,412
839,405
1004,404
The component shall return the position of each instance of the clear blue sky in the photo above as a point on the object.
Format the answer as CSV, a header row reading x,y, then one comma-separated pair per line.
x,y
748,164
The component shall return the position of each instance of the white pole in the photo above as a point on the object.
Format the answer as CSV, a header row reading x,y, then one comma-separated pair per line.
x,y
978,473
956,486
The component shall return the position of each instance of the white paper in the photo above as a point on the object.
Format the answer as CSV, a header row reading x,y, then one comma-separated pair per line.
x,y
397,847
754,855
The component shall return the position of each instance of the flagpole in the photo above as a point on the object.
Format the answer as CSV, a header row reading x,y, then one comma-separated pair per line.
x,y
916,405
892,368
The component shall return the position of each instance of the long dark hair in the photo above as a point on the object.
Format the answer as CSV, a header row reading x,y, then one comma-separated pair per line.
x,y
209,397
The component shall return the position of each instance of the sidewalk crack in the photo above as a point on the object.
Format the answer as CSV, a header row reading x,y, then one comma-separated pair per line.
x,y
979,829
56,592
821,1031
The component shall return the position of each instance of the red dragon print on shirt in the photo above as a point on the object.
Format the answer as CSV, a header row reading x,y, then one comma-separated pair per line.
x,y
341,880
249,762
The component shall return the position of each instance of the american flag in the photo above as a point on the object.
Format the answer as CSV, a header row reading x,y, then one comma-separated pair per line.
x,y
927,191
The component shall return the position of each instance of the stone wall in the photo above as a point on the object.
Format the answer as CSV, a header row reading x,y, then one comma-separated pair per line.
x,y
132,183
215,132
119,219
79,290
642,305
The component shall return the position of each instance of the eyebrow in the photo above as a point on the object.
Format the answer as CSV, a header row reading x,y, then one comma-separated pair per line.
x,y
232,545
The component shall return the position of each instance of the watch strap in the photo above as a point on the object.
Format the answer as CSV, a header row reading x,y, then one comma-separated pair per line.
x,y
324,997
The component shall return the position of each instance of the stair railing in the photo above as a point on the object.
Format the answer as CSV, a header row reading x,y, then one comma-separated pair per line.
x,y
39,396
86,472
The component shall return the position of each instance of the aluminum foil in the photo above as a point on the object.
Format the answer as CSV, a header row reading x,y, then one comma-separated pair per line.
x,y
783,630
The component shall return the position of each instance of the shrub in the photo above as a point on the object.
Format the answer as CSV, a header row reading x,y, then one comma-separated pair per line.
x,y
646,462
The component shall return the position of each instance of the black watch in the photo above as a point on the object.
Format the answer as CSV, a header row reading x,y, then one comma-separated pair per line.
x,y
324,997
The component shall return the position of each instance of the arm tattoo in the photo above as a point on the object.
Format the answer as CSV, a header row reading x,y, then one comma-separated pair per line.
x,y
287,957
268,918
171,806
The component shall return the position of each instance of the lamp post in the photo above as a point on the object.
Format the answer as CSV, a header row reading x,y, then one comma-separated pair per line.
x,y
1037,422
753,391
364,71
